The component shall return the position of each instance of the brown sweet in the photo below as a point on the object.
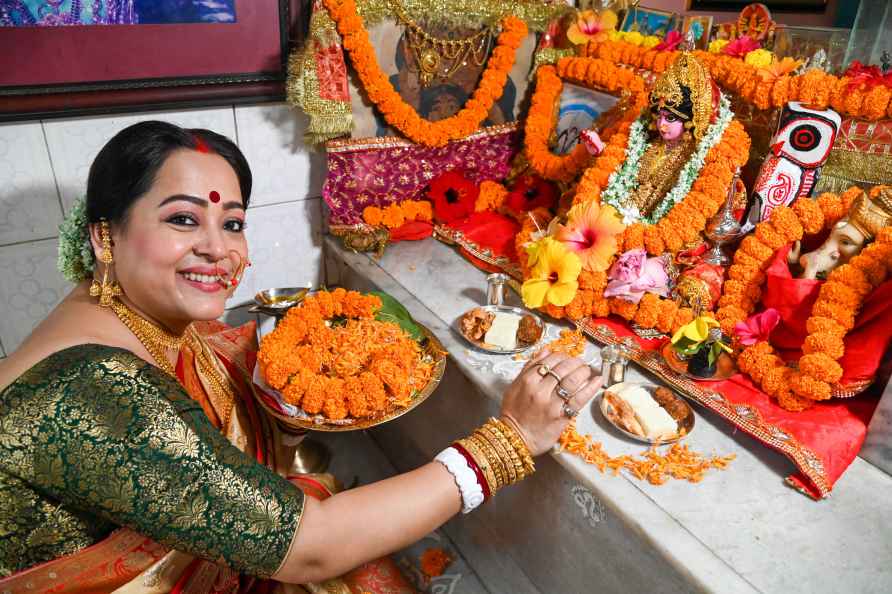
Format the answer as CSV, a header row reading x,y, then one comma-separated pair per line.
x,y
476,323
529,331
670,402
623,415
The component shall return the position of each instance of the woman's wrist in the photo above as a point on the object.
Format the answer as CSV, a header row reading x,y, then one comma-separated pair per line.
x,y
492,457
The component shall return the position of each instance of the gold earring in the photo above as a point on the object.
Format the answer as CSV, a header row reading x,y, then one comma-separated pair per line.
x,y
108,289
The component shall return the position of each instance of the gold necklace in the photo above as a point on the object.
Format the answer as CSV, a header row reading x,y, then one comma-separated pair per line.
x,y
658,170
154,338
432,53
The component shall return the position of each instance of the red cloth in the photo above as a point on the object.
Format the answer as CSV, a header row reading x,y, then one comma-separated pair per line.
x,y
489,232
794,299
411,231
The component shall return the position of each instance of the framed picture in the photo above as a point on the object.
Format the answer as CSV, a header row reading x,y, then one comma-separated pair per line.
x,y
579,109
700,27
779,5
109,56
649,21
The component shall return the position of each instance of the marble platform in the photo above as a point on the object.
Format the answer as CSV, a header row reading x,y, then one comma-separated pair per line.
x,y
573,529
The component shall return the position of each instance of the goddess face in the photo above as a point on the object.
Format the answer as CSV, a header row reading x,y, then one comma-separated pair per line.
x,y
179,238
843,244
669,125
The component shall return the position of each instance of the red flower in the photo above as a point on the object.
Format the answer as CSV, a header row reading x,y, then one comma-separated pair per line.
x,y
741,46
672,40
530,192
453,196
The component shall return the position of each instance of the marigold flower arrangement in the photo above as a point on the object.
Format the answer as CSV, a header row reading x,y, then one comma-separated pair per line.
x,y
765,84
396,215
540,122
399,114
833,314
330,356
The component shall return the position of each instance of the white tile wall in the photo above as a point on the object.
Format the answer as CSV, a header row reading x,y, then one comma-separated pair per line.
x,y
271,136
30,286
29,202
44,167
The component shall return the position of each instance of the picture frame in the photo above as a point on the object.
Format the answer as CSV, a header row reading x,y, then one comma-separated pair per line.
x,y
812,6
701,23
79,70
649,21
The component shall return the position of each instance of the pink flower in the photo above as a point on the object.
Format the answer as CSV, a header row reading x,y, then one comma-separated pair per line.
x,y
634,274
672,40
741,46
757,327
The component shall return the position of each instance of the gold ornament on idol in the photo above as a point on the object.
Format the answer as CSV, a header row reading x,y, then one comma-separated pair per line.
x,y
108,289
441,58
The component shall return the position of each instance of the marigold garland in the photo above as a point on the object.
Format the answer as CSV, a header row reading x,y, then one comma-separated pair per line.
x,y
396,215
833,314
541,118
360,369
491,197
849,96
399,114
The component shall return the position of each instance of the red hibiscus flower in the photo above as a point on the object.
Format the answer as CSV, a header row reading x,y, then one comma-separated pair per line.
x,y
453,196
530,192
741,46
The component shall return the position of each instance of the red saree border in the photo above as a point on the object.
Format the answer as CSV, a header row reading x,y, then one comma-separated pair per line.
x,y
744,416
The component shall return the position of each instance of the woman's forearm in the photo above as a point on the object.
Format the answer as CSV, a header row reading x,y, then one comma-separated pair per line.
x,y
356,526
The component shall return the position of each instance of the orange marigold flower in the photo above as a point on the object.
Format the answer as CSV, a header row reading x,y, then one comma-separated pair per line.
x,y
827,343
810,215
809,387
821,366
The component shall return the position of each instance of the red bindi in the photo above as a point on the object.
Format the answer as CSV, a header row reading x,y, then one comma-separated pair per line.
x,y
200,145
214,196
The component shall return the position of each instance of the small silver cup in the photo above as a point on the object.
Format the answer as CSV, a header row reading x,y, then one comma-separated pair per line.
x,y
496,286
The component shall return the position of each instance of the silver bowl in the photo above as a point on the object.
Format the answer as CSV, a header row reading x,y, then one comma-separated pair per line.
x,y
278,300
685,425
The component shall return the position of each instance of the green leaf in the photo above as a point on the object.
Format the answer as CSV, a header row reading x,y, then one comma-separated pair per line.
x,y
392,311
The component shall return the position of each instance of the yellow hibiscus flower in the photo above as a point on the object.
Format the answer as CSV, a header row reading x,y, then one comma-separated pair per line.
x,y
553,277
696,330
591,25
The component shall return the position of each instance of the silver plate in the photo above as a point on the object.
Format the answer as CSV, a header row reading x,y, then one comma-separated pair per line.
x,y
686,424
489,348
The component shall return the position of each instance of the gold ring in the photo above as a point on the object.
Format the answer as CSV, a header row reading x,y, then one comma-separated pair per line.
x,y
543,369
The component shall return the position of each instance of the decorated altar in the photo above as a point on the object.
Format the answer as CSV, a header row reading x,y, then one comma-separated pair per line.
x,y
715,210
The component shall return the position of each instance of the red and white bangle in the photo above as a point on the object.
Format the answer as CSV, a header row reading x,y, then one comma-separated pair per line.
x,y
464,471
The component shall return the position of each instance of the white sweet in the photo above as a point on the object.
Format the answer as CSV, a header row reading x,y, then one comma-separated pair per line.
x,y
653,418
503,332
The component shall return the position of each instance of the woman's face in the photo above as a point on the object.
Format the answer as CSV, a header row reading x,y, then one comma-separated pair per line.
x,y
179,239
669,125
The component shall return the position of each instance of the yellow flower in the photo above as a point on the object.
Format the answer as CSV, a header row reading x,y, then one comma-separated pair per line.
x,y
634,37
592,26
650,41
760,58
696,330
615,35
716,47
554,276
591,232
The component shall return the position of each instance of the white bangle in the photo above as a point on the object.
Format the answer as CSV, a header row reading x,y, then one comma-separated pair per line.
x,y
465,478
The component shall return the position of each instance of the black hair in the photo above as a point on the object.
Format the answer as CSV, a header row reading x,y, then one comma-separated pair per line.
x,y
127,165
686,106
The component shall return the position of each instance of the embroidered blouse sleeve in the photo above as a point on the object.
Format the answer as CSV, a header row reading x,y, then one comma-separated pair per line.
x,y
124,442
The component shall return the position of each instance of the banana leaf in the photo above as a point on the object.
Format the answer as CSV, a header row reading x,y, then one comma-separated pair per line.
x,y
392,311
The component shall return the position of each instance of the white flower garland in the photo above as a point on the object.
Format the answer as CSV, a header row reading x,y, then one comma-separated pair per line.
x,y
623,181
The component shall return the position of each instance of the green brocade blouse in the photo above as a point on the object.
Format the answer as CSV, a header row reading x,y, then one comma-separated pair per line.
x,y
93,438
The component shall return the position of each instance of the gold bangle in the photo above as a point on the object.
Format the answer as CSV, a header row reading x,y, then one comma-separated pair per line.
x,y
506,444
519,445
482,463
503,450
492,456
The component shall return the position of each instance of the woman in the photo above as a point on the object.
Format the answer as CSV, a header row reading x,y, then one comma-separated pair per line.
x,y
119,414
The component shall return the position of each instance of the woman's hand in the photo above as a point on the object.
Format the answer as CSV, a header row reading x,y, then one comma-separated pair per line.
x,y
533,403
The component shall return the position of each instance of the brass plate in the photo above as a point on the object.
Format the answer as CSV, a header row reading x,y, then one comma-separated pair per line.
x,y
432,347
489,348
685,425
679,366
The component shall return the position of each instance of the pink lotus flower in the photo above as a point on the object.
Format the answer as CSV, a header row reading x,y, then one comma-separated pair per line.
x,y
634,274
757,327
741,46
672,41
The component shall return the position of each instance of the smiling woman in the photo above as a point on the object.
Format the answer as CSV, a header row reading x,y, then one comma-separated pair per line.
x,y
130,437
